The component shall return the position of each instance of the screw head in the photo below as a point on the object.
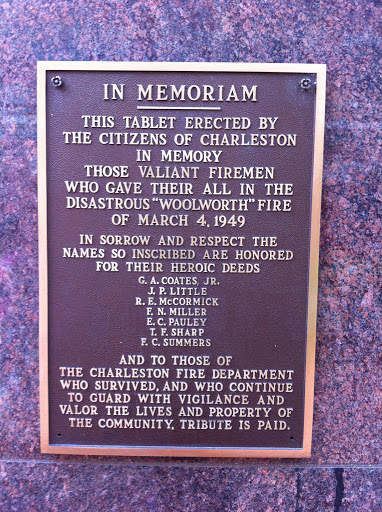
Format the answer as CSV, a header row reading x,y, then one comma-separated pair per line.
x,y
56,81
306,83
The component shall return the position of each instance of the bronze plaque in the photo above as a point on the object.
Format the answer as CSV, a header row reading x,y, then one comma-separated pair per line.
x,y
179,228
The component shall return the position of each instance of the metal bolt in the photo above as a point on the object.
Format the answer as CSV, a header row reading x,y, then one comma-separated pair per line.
x,y
306,83
56,81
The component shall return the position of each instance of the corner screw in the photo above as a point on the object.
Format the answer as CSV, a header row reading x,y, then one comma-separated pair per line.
x,y
56,81
306,83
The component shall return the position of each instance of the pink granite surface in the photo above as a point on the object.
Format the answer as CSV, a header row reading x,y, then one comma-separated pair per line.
x,y
79,487
347,424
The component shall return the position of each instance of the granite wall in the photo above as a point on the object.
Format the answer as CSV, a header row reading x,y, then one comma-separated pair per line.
x,y
344,472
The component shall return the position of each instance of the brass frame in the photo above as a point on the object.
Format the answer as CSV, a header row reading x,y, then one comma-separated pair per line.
x,y
320,70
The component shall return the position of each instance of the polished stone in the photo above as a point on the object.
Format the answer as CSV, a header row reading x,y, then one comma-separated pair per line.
x,y
347,37
94,487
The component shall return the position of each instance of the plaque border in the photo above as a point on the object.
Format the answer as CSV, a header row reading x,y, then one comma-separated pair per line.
x,y
318,146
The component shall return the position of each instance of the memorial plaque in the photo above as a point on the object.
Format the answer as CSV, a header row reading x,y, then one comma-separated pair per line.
x,y
179,210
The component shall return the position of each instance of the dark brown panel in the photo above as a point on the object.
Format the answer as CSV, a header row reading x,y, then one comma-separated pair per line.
x,y
213,289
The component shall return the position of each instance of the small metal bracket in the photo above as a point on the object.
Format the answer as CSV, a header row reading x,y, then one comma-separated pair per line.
x,y
56,81
306,83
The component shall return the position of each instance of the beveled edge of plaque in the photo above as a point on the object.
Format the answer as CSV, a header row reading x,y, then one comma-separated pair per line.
x,y
318,150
